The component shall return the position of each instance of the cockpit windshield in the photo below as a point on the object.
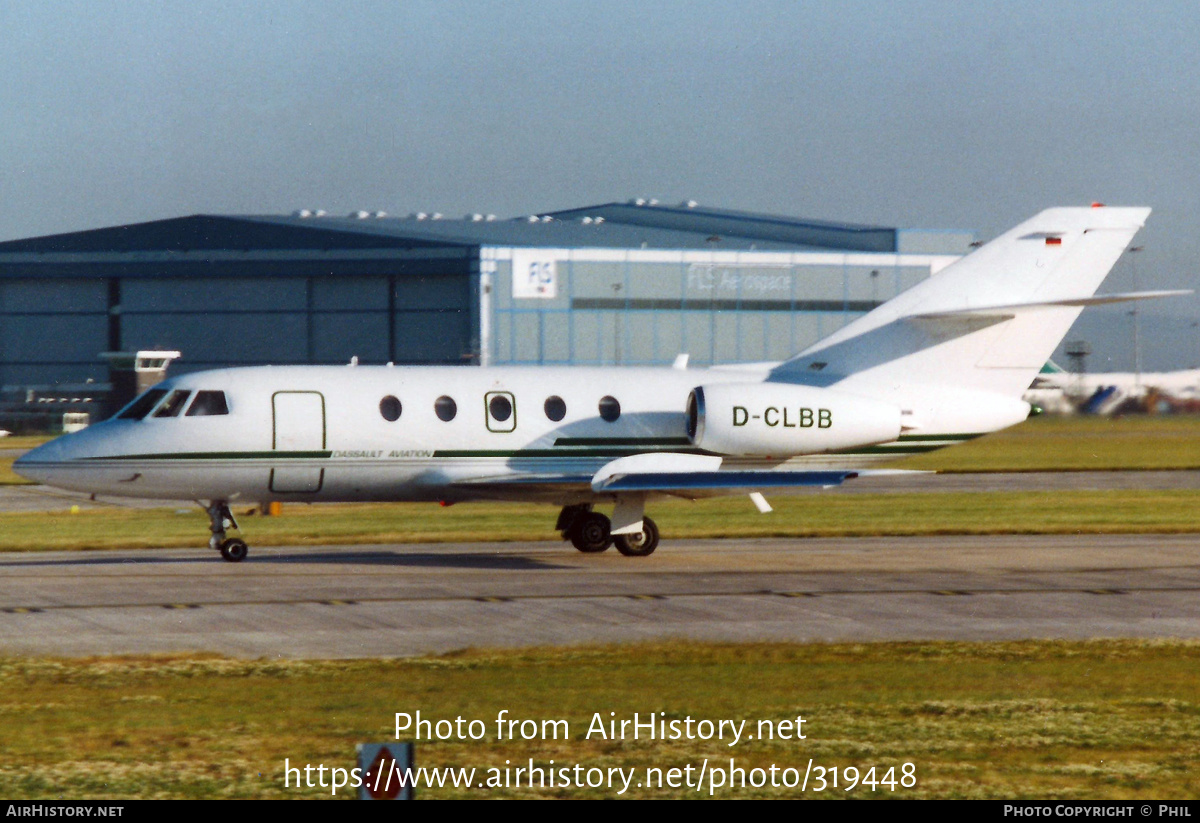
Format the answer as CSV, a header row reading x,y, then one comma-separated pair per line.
x,y
173,405
141,407
203,404
208,402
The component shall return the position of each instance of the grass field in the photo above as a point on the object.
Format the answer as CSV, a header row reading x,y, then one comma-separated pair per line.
x,y
1075,444
1103,719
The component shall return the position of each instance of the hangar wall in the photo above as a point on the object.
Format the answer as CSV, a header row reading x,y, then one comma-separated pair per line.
x,y
53,328
642,307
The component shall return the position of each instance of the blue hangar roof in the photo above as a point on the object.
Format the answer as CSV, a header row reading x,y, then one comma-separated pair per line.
x,y
609,225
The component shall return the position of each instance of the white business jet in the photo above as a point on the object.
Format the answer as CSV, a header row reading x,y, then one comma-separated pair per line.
x,y
941,363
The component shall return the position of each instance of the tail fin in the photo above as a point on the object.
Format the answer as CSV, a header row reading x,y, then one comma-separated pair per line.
x,y
989,321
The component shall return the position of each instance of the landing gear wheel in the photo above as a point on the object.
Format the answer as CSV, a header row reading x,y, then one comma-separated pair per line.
x,y
641,544
590,534
234,550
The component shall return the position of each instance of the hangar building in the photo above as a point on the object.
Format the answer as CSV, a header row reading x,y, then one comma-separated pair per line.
x,y
618,283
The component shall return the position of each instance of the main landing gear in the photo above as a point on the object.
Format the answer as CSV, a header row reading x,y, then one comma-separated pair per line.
x,y
233,549
591,532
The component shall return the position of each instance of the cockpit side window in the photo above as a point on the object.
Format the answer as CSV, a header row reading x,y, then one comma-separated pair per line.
x,y
143,405
208,403
173,405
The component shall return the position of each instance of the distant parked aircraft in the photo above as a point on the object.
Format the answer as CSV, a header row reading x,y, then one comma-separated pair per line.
x,y
1062,392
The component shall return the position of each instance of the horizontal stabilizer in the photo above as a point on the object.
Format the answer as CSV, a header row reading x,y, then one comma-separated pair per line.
x,y
1011,309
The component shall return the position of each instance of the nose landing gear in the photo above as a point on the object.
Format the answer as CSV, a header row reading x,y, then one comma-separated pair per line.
x,y
233,549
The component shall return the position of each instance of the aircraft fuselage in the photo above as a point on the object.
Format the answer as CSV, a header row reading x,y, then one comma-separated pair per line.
x,y
312,433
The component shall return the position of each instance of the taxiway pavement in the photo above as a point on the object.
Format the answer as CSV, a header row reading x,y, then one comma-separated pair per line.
x,y
389,600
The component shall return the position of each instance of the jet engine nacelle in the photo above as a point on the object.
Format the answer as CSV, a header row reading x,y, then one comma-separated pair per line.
x,y
781,420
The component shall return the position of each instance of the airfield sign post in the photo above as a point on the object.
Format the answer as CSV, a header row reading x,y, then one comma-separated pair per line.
x,y
384,767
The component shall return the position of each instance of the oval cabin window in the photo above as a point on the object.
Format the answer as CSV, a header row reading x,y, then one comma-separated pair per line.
x,y
556,408
610,409
390,408
446,408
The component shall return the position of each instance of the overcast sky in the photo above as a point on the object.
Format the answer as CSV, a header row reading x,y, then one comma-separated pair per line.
x,y
913,114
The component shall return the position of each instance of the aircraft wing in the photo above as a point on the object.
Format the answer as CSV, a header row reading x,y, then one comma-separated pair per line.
x,y
691,475
699,475
669,482
681,475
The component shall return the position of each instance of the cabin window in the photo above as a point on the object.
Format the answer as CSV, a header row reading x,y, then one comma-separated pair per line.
x,y
556,409
141,407
446,408
390,408
610,409
174,403
500,407
500,411
208,403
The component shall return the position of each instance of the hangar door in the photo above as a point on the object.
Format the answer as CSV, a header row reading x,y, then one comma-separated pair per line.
x,y
299,437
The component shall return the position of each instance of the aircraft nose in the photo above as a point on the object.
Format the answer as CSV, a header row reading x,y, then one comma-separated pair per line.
x,y
39,464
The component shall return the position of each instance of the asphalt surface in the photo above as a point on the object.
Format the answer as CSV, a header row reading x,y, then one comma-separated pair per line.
x,y
337,602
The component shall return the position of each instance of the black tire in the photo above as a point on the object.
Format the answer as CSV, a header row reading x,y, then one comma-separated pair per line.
x,y
590,534
641,544
234,550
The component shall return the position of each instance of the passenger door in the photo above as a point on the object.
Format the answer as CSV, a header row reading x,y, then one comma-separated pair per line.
x,y
299,438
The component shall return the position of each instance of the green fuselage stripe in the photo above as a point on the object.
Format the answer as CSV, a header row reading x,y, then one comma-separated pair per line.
x,y
264,455
622,441
565,447
905,438
614,452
